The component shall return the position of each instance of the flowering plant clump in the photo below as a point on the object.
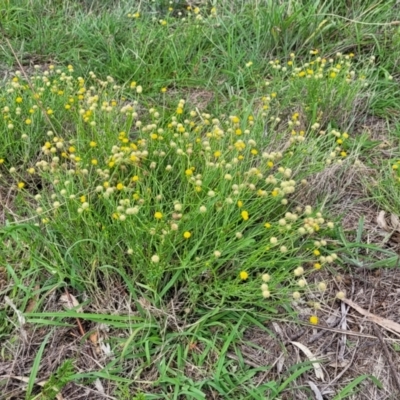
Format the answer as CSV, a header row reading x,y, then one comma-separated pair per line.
x,y
168,194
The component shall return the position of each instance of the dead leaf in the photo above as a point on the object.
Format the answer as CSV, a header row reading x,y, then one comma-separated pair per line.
x,y
317,366
26,380
395,222
99,386
280,363
314,388
339,364
32,302
93,337
381,221
69,301
385,323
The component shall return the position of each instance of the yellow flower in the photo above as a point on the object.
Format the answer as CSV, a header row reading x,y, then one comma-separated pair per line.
x,y
275,192
158,215
317,266
18,99
134,178
28,121
240,203
163,90
187,235
1,160
267,225
314,320
83,199
92,144
94,161
245,215
21,185
332,75
270,164
316,252
49,111
217,154
120,186
243,275
189,172
133,84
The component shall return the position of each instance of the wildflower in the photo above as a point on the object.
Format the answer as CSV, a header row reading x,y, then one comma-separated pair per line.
x,y
163,90
316,252
21,185
317,266
203,209
267,225
120,186
155,258
92,144
298,271
340,295
189,172
273,240
266,277
28,121
314,320
239,235
187,235
240,203
243,275
266,294
158,215
132,210
217,154
322,286
296,295
245,215
217,254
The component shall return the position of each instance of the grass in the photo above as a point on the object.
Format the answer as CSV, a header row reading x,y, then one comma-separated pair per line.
x,y
154,170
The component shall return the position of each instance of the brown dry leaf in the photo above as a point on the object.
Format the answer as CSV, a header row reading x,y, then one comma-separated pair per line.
x,y
26,380
32,302
317,366
69,301
93,337
381,221
385,323
395,222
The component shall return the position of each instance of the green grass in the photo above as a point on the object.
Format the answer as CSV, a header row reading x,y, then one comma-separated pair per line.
x,y
162,215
